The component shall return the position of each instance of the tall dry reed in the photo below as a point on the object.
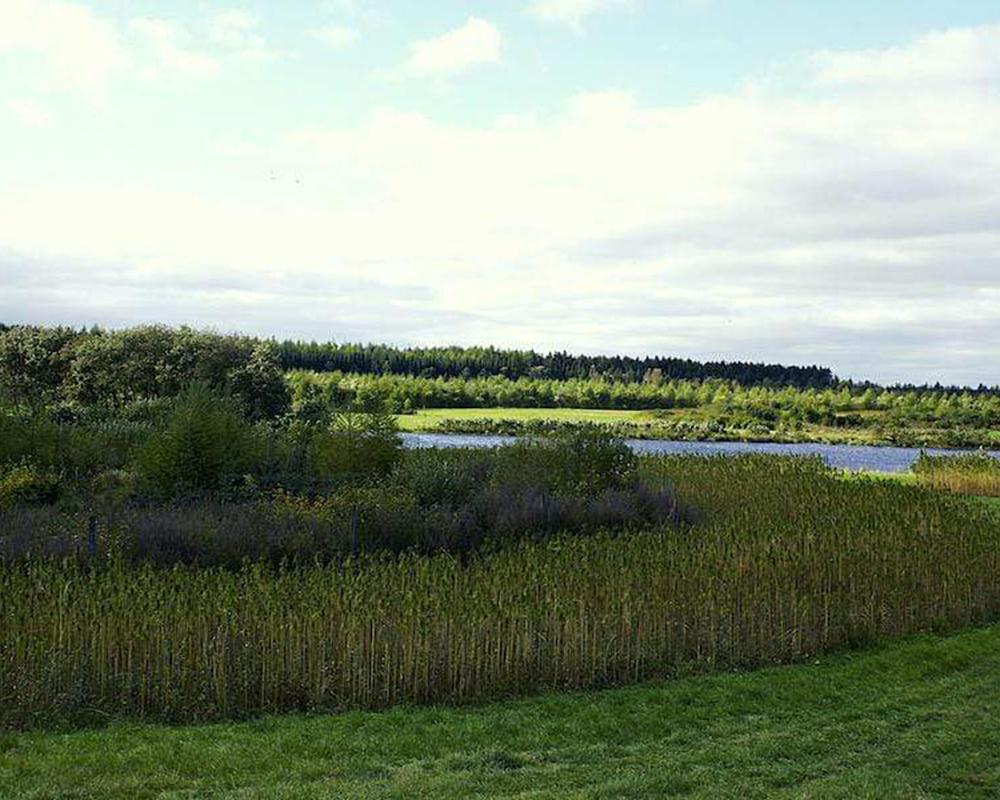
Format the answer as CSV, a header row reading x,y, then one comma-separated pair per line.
x,y
787,561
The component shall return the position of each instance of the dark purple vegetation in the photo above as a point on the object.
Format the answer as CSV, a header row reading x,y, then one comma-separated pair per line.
x,y
206,493
295,530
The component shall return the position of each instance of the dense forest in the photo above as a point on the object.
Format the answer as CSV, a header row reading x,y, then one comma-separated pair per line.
x,y
842,404
475,362
673,409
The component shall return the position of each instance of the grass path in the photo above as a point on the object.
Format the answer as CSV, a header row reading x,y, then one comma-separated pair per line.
x,y
913,719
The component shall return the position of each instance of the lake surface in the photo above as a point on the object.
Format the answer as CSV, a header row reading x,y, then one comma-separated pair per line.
x,y
841,456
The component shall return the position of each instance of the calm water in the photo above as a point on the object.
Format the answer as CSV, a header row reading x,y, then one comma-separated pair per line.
x,y
841,456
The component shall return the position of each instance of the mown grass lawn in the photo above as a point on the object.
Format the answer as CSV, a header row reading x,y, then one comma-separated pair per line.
x,y
427,419
914,719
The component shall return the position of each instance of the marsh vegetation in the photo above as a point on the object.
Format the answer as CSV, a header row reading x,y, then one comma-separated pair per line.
x,y
226,608
974,474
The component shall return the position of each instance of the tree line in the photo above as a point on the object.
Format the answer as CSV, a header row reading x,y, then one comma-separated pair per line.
x,y
50,366
474,362
838,405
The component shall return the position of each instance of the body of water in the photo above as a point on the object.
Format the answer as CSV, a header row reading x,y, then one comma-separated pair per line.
x,y
840,456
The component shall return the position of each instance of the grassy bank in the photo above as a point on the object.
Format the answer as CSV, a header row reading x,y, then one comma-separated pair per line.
x,y
913,719
686,424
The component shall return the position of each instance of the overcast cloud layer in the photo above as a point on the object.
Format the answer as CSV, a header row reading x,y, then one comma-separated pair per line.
x,y
842,208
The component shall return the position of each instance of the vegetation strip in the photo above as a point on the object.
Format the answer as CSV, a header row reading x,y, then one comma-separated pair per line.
x,y
705,410
117,376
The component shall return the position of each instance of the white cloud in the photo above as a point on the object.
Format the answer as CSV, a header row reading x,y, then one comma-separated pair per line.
x,y
362,13
335,36
352,7
234,30
165,47
29,112
571,12
831,225
476,42
230,26
80,49
956,57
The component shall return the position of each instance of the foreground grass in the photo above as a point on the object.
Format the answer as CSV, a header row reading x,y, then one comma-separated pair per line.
x,y
914,719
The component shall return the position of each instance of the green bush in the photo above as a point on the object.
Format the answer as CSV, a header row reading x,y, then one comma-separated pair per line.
x,y
449,477
206,445
587,460
27,484
355,444
75,450
356,517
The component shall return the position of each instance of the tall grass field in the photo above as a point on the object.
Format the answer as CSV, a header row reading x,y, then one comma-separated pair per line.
x,y
779,560
977,475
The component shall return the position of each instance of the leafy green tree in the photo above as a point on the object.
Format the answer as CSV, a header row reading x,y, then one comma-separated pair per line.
x,y
259,384
102,370
35,363
206,445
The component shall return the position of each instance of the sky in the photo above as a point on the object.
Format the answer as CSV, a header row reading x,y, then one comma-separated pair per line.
x,y
762,180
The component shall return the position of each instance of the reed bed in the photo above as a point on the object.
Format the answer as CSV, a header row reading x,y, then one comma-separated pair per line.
x,y
977,475
785,562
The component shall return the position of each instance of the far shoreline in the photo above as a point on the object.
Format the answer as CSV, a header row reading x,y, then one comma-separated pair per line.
x,y
644,426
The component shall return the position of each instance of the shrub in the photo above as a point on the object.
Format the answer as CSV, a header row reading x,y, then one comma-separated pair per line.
x,y
355,445
448,477
27,484
205,446
74,450
587,460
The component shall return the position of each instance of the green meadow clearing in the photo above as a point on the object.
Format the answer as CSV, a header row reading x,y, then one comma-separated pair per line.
x,y
687,424
430,419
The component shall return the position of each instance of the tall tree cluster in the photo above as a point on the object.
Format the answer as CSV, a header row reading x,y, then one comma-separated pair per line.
x,y
45,365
